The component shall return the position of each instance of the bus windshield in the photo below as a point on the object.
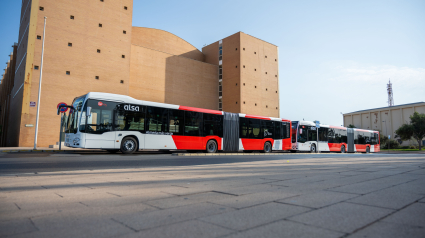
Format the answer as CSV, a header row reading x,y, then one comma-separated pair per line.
x,y
74,115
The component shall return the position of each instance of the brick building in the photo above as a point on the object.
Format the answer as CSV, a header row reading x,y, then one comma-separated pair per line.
x,y
91,46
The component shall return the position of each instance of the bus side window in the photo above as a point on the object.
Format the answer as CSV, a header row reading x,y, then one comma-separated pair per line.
x,y
268,128
243,124
323,134
130,120
213,125
331,135
278,130
343,136
157,119
192,123
176,121
356,137
255,131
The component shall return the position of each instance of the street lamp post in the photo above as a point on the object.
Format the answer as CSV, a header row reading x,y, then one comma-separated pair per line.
x,y
386,130
39,87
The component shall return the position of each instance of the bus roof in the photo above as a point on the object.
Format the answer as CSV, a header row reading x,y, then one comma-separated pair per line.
x,y
128,99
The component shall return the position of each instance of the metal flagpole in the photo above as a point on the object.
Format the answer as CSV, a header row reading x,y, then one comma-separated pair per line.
x,y
39,87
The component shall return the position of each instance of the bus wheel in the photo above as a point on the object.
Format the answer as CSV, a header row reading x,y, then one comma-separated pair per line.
x,y
267,147
367,150
211,146
342,149
112,151
313,148
128,145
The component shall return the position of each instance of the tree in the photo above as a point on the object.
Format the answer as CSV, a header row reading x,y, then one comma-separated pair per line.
x,y
415,130
351,126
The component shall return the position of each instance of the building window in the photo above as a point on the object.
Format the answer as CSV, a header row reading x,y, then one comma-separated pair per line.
x,y
255,69
276,75
100,24
236,48
244,66
243,102
71,17
266,72
255,53
275,59
125,7
41,8
96,77
276,107
256,104
267,106
266,56
266,89
124,32
68,72
243,84
123,56
236,84
121,81
236,102
101,0
276,91
255,86
236,66
38,37
36,67
69,44
243,48
98,50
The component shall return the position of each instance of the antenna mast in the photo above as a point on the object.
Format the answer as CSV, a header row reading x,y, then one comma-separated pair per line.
x,y
390,94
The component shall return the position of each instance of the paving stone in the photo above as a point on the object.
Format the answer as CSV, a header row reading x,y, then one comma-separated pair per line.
x,y
416,187
389,230
13,227
370,186
318,199
187,229
253,199
187,199
254,216
343,217
282,229
392,198
158,218
411,215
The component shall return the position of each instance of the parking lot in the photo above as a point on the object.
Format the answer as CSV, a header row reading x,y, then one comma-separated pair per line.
x,y
161,195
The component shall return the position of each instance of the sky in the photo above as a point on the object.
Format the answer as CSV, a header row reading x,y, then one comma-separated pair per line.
x,y
334,56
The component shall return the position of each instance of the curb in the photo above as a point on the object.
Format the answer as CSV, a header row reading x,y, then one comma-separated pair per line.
x,y
51,151
264,154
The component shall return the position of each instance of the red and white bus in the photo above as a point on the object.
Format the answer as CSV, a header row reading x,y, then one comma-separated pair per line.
x,y
332,138
121,123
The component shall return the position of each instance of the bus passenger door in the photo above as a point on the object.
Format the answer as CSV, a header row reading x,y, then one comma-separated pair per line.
x,y
99,132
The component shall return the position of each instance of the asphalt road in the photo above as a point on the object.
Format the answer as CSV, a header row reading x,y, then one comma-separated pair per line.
x,y
12,163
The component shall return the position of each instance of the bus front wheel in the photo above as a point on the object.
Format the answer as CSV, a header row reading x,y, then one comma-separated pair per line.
x,y
128,145
313,148
267,147
211,146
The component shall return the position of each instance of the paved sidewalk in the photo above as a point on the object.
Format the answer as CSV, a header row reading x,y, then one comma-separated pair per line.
x,y
339,196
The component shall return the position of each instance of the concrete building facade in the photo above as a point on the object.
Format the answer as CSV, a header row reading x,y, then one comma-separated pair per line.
x,y
91,46
385,119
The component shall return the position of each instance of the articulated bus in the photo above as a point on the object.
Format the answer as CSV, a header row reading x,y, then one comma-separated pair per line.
x,y
332,138
121,123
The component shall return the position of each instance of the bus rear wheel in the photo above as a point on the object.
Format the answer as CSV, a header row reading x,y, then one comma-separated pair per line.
x,y
211,146
267,147
342,149
128,145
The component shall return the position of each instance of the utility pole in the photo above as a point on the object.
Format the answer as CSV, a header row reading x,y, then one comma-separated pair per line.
x,y
390,94
39,87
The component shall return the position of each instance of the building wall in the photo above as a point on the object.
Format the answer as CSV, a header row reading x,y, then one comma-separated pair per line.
x,y
231,73
81,59
387,120
162,77
259,78
165,42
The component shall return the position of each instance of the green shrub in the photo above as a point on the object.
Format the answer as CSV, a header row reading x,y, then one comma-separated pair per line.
x,y
405,147
412,147
393,144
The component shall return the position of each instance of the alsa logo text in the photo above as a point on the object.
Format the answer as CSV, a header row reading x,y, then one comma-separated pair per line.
x,y
131,108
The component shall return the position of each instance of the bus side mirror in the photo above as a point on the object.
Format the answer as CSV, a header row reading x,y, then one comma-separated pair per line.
x,y
88,111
